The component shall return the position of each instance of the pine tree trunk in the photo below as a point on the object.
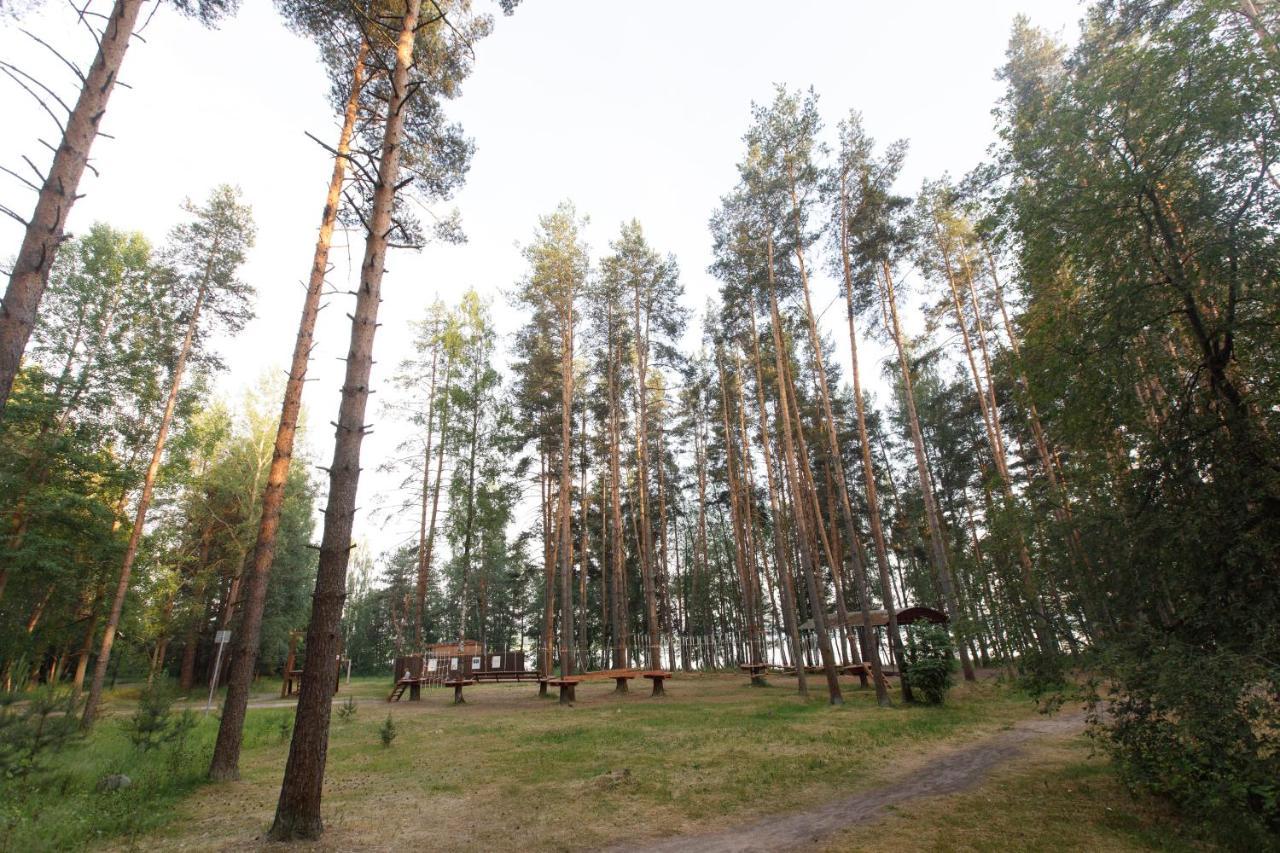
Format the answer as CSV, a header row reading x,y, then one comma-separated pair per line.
x,y
990,420
298,811
44,233
790,617
645,539
615,509
808,560
86,647
144,503
584,501
940,564
226,752
833,445
868,470
742,559
564,514
424,565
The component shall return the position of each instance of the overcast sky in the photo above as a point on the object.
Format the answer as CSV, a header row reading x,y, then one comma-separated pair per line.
x,y
628,109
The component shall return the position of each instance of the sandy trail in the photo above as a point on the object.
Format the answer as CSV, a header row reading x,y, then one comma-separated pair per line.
x,y
956,771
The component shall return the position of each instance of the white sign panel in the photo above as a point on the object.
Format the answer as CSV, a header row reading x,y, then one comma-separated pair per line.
x,y
222,637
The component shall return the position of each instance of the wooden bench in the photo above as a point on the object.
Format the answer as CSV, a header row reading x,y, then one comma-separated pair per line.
x,y
497,675
567,683
457,684
756,671
657,676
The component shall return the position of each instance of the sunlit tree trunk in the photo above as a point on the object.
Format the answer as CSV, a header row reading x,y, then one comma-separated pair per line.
x,y
225,764
298,810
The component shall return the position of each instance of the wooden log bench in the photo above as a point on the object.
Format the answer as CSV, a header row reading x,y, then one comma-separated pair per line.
x,y
457,684
657,676
567,683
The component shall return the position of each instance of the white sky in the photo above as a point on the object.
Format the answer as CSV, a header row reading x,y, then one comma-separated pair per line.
x,y
628,109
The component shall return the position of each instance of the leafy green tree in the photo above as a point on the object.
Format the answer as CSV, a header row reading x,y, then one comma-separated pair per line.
x,y
1134,189
61,180
200,265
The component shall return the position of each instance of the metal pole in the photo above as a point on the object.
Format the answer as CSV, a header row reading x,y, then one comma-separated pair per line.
x,y
222,637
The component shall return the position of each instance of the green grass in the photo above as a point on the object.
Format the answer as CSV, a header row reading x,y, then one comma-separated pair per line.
x,y
63,808
510,765
711,751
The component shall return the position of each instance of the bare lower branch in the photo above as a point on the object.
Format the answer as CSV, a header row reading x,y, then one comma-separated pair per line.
x,y
67,62
9,171
39,100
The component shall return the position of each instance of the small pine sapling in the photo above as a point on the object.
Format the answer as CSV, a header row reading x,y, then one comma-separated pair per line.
x,y
387,731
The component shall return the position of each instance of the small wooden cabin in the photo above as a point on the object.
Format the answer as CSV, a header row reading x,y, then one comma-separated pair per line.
x,y
467,658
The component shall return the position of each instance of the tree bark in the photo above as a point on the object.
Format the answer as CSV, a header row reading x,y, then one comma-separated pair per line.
x,y
226,752
790,618
833,444
298,811
615,510
564,515
864,441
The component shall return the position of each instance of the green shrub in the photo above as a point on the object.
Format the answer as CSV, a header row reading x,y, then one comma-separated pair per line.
x,y
928,666
388,731
1205,736
37,728
347,710
153,724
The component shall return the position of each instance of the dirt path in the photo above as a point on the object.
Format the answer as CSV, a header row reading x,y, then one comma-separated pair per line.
x,y
949,774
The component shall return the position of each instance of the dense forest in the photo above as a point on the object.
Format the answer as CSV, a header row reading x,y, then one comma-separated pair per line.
x,y
1074,454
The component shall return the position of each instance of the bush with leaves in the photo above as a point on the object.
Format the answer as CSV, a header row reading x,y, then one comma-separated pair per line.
x,y
347,710
929,662
35,728
387,731
1208,738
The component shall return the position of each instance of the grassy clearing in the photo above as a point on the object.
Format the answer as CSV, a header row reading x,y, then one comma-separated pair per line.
x,y
511,766
1060,795
63,808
